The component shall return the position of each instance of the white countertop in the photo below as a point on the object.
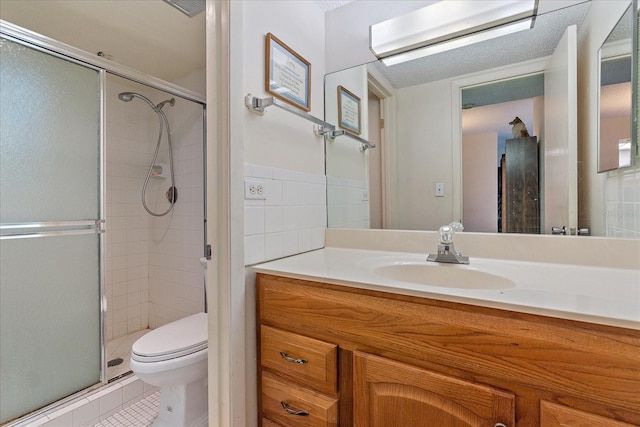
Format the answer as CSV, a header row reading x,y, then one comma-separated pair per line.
x,y
608,296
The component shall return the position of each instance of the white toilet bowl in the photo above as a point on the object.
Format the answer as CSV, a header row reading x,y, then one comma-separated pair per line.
x,y
174,357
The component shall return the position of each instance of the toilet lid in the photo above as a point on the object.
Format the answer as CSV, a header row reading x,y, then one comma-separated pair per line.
x,y
175,339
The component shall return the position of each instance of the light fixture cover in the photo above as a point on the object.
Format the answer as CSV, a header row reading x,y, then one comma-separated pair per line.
x,y
189,7
448,20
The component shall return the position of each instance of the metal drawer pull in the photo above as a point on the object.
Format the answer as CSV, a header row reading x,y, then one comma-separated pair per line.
x,y
292,360
500,425
292,411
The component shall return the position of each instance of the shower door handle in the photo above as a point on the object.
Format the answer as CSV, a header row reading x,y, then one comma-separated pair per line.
x,y
24,230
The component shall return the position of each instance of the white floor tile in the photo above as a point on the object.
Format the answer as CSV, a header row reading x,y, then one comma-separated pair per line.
x,y
139,414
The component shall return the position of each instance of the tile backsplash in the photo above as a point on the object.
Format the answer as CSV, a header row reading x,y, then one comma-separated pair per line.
x,y
348,201
289,217
622,212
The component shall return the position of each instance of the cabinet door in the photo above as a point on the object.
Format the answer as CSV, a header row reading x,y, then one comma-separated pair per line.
x,y
553,415
389,393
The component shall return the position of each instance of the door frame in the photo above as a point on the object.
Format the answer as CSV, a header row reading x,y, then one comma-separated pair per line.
x,y
383,90
501,73
103,66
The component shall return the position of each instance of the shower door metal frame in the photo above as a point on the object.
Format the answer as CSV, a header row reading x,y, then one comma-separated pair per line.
x,y
41,229
9,231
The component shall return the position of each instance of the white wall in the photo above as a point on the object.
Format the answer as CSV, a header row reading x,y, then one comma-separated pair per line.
x,y
424,156
480,182
278,141
612,130
279,147
195,81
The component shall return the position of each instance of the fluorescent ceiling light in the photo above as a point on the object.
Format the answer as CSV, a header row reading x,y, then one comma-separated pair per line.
x,y
447,25
458,42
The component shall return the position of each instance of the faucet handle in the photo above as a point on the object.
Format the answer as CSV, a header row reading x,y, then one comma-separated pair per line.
x,y
445,233
457,226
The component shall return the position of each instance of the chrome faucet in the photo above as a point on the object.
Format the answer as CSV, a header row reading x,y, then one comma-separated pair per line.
x,y
446,251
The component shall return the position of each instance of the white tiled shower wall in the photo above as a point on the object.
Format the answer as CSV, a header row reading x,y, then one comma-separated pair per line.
x,y
291,219
152,269
622,213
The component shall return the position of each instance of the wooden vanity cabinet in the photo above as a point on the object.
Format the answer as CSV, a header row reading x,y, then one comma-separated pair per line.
x,y
409,361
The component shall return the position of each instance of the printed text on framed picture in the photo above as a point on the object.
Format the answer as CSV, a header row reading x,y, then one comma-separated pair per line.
x,y
287,74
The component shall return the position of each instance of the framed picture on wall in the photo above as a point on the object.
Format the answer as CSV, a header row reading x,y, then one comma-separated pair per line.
x,y
349,112
287,74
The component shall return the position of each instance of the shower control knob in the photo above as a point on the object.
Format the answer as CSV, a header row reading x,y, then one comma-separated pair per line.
x,y
172,194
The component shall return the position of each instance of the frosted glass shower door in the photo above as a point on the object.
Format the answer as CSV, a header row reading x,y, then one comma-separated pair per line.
x,y
50,229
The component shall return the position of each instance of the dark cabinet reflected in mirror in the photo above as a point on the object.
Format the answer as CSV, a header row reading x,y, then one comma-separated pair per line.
x,y
427,122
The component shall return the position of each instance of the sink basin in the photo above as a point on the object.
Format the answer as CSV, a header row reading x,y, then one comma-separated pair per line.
x,y
443,275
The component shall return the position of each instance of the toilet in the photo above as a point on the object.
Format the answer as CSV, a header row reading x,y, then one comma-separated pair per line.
x,y
174,358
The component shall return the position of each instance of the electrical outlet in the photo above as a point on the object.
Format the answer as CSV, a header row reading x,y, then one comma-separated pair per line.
x,y
254,189
439,189
365,195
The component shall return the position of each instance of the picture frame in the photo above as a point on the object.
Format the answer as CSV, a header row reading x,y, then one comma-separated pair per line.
x,y
287,74
349,111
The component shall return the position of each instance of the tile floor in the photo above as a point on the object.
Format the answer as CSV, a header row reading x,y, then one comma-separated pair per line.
x,y
121,347
140,414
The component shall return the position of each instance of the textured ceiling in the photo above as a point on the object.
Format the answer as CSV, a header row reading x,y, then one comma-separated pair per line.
x,y
327,5
537,42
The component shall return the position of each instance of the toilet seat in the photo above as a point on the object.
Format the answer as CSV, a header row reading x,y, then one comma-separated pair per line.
x,y
177,339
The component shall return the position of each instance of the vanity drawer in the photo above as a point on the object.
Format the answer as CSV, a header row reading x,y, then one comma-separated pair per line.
x,y
322,411
302,359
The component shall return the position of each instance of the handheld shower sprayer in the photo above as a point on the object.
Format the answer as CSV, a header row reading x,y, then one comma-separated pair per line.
x,y
172,193
128,96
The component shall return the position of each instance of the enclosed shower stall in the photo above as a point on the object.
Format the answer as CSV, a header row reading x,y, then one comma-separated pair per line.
x,y
82,261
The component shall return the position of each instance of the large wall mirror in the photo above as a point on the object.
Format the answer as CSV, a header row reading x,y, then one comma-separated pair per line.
x,y
442,123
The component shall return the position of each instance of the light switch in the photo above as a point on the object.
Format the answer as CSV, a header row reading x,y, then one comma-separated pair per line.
x,y
439,189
